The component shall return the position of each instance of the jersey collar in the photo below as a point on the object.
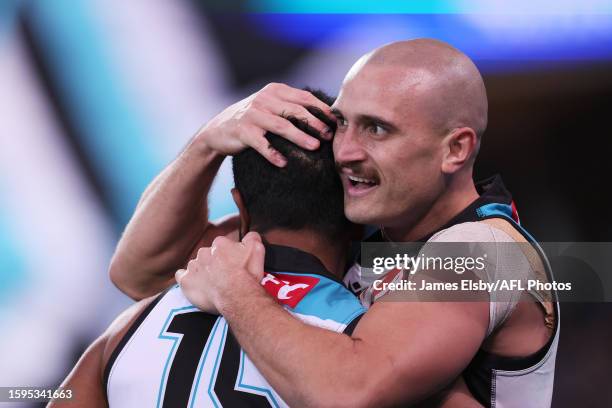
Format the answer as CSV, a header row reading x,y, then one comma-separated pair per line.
x,y
492,191
280,258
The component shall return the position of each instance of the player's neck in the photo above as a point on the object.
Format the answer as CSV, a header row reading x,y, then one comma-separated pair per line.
x,y
332,255
454,200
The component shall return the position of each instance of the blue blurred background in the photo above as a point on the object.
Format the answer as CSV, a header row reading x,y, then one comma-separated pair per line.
x,y
97,96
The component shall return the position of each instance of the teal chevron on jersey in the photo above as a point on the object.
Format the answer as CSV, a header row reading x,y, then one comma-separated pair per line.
x,y
330,300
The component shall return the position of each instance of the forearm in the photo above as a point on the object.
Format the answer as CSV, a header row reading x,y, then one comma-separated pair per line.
x,y
392,357
169,220
306,365
401,352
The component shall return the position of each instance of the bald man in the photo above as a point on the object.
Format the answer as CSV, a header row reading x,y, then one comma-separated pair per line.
x,y
410,120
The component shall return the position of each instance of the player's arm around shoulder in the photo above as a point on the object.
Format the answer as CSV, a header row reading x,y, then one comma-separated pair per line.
x,y
416,349
419,344
86,380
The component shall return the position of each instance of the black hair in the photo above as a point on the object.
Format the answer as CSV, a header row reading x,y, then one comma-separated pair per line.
x,y
305,194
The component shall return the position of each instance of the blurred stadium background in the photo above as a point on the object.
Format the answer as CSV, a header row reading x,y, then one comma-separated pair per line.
x,y
98,96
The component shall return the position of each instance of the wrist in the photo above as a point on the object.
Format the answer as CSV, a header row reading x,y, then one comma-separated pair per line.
x,y
202,158
245,294
199,146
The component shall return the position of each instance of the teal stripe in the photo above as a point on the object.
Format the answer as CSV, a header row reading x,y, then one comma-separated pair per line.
x,y
211,337
428,7
115,136
8,16
13,271
505,211
211,391
164,335
267,391
353,7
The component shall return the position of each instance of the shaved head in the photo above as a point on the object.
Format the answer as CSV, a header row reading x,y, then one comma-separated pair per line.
x,y
452,90
410,118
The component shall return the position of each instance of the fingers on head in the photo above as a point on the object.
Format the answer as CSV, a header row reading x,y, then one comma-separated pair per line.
x,y
306,98
285,100
282,126
257,141
299,112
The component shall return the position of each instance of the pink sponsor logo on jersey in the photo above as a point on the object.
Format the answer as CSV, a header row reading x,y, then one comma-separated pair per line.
x,y
515,215
288,289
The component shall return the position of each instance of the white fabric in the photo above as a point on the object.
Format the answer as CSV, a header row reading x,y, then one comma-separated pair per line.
x,y
503,263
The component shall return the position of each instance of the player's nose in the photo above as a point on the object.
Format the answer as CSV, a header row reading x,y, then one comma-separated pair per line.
x,y
348,147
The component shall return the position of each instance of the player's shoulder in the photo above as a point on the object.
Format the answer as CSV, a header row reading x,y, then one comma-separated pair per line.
x,y
122,323
488,230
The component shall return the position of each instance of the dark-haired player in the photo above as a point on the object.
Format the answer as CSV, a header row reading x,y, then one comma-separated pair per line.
x,y
164,352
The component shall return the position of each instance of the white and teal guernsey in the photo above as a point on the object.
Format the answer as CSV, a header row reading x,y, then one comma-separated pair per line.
x,y
495,381
173,355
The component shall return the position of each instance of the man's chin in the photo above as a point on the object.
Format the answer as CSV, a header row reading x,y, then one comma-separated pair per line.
x,y
361,214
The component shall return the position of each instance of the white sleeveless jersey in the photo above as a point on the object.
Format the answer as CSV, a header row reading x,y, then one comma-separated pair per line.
x,y
495,381
176,356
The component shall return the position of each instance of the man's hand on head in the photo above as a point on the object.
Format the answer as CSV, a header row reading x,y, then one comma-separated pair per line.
x,y
226,270
245,123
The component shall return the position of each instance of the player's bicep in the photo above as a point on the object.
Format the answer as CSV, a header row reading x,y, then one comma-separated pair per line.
x,y
85,380
418,348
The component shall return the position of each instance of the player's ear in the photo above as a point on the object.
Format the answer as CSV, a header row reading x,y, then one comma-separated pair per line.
x,y
461,147
245,219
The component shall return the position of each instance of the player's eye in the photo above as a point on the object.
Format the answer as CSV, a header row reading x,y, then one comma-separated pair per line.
x,y
341,122
376,129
